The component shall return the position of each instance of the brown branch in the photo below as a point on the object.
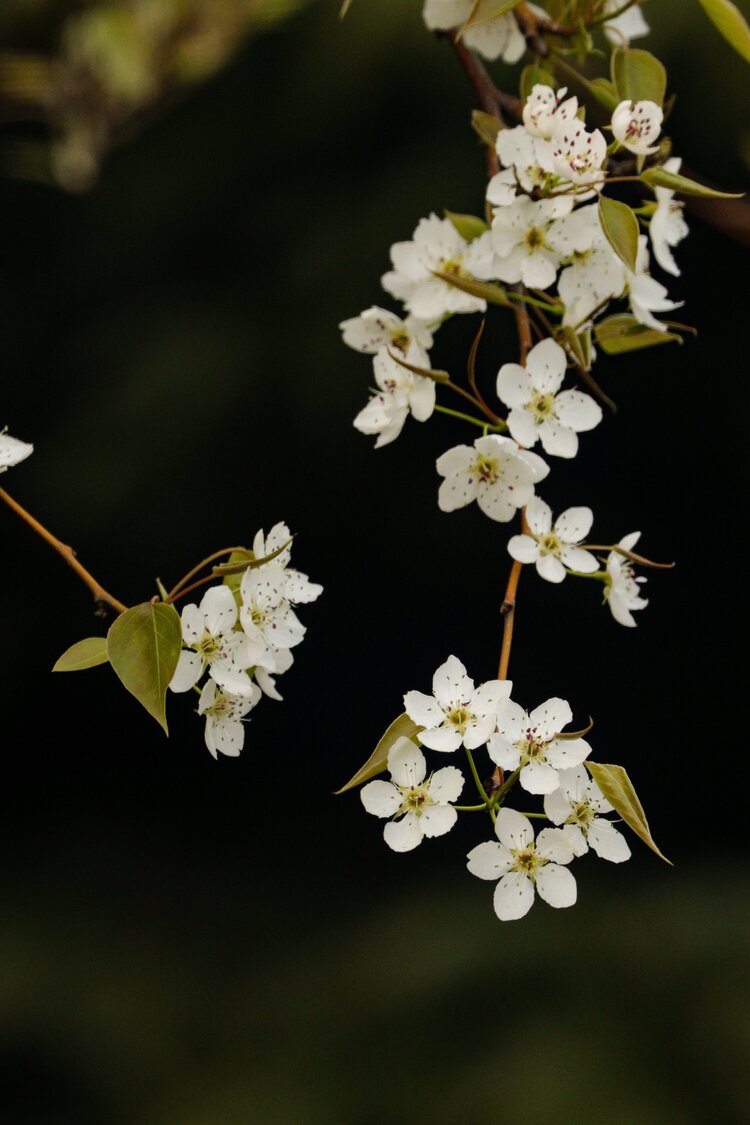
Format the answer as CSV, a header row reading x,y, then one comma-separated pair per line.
x,y
65,552
508,610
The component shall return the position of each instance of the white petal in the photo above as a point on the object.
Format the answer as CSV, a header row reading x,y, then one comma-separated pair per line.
x,y
523,548
446,784
558,440
423,709
406,762
538,516
552,843
557,807
514,896
574,524
436,820
546,363
538,777
457,491
403,835
522,427
502,752
219,610
550,568
513,829
187,673
380,798
444,739
551,717
489,860
607,842
227,736
556,885
578,411
577,559
451,684
514,386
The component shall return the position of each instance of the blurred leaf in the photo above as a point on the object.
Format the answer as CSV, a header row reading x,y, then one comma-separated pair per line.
x,y
731,23
638,76
486,126
621,229
468,226
83,654
345,8
623,333
143,646
618,789
490,292
402,727
604,92
660,177
532,76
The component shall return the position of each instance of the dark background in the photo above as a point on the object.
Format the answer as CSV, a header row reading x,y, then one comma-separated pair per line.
x,y
191,942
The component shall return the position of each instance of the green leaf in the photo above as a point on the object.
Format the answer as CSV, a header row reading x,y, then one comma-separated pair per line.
x,y
345,8
248,562
604,92
623,333
493,294
532,76
468,226
83,654
638,76
434,373
486,126
731,23
143,646
621,229
618,789
402,727
660,177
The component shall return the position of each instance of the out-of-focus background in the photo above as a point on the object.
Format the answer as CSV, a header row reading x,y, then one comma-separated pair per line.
x,y
189,206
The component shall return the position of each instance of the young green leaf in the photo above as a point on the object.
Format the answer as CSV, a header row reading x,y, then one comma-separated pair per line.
x,y
532,76
638,76
618,789
345,8
731,23
83,654
604,92
491,293
621,229
238,565
402,727
486,126
468,226
660,177
623,333
143,647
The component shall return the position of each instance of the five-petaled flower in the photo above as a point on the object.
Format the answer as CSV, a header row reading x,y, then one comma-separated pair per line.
x,y
523,865
209,633
554,549
418,805
578,806
622,590
637,125
495,472
532,743
224,712
456,712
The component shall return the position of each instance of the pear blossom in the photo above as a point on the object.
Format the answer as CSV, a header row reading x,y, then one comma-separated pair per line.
x,y
554,550
12,451
418,807
224,712
495,472
377,328
538,411
527,163
636,125
209,633
645,294
266,614
629,25
544,111
495,38
622,589
401,392
278,661
532,743
593,272
523,241
456,712
297,586
667,226
436,246
578,805
578,156
523,865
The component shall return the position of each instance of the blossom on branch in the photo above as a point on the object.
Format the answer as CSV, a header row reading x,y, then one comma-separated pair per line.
x,y
578,805
401,392
667,226
494,38
622,589
524,865
209,633
495,472
544,111
224,712
456,712
554,549
418,807
436,247
378,328
531,743
636,125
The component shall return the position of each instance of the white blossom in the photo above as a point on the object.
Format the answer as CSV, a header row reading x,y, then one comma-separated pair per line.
x,y
527,163
224,712
622,589
524,865
523,241
436,246
553,550
594,273
578,156
544,111
645,293
667,226
537,409
636,125
297,586
279,661
532,743
628,25
418,807
456,712
578,805
12,451
377,328
496,38
209,633
401,392
495,472
266,614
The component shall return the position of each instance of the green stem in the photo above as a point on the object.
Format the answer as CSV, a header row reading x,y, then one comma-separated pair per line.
x,y
470,808
468,418
536,815
533,301
478,782
171,596
599,575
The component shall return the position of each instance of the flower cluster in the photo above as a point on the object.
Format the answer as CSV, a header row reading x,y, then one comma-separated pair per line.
x,y
533,750
242,635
